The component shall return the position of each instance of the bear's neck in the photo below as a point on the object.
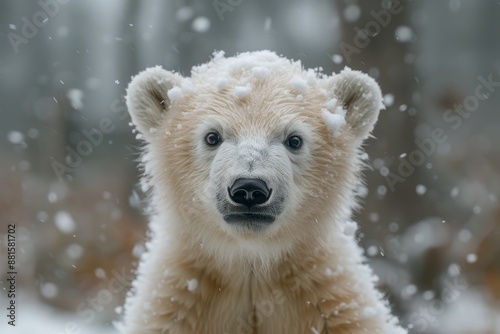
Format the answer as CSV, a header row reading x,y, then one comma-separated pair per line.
x,y
228,259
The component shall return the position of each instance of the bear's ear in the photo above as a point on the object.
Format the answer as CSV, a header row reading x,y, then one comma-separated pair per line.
x,y
361,98
147,97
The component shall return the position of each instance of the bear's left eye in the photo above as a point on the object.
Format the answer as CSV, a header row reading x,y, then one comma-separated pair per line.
x,y
294,142
212,139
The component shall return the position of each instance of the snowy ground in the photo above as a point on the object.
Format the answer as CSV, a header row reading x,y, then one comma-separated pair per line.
x,y
36,318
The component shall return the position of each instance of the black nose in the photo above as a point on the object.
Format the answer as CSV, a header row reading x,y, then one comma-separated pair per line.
x,y
249,192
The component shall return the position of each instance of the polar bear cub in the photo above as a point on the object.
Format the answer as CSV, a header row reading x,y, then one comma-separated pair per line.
x,y
251,165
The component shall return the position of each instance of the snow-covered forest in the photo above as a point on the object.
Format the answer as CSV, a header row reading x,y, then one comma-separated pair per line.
x,y
430,219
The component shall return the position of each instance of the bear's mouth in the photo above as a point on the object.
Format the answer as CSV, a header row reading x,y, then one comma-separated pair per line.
x,y
250,220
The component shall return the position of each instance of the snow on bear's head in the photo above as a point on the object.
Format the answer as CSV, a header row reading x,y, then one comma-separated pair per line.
x,y
252,151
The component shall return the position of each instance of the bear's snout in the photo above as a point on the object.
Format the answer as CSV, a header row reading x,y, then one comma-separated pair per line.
x,y
250,204
249,192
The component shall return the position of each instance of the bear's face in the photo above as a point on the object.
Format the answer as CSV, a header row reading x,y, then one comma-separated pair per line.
x,y
255,156
253,147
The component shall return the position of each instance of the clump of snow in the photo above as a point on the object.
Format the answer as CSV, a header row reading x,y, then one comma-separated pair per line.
x,y
352,13
64,222
421,189
240,73
350,228
52,197
15,137
201,24
192,284
174,94
384,171
331,104
42,216
75,97
374,217
187,86
454,192
242,91
337,59
464,235
49,290
409,290
330,273
341,111
298,83
428,295
74,251
218,55
367,95
471,258
334,122
346,69
369,312
260,72
361,190
312,75
221,83
388,100
403,34
100,273
138,250
381,190
372,250
248,66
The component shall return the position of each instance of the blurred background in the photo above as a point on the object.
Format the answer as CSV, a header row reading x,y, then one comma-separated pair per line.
x,y
68,172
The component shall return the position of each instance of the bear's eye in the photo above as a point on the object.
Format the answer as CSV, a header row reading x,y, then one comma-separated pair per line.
x,y
212,139
294,142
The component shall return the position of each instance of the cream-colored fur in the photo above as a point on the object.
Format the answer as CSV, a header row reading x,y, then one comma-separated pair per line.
x,y
302,274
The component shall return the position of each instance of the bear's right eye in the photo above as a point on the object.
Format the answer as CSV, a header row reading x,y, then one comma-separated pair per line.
x,y
294,142
213,139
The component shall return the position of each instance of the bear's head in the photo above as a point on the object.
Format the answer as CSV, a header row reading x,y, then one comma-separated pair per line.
x,y
253,151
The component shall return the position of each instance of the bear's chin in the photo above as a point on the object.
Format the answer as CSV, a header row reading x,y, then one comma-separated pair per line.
x,y
249,221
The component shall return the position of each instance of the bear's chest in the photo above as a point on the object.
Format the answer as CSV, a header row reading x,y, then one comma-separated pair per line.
x,y
250,306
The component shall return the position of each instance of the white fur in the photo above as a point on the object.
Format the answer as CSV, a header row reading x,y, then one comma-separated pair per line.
x,y
302,272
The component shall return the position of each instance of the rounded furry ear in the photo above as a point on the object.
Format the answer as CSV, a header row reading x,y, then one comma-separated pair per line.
x,y
147,97
361,98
